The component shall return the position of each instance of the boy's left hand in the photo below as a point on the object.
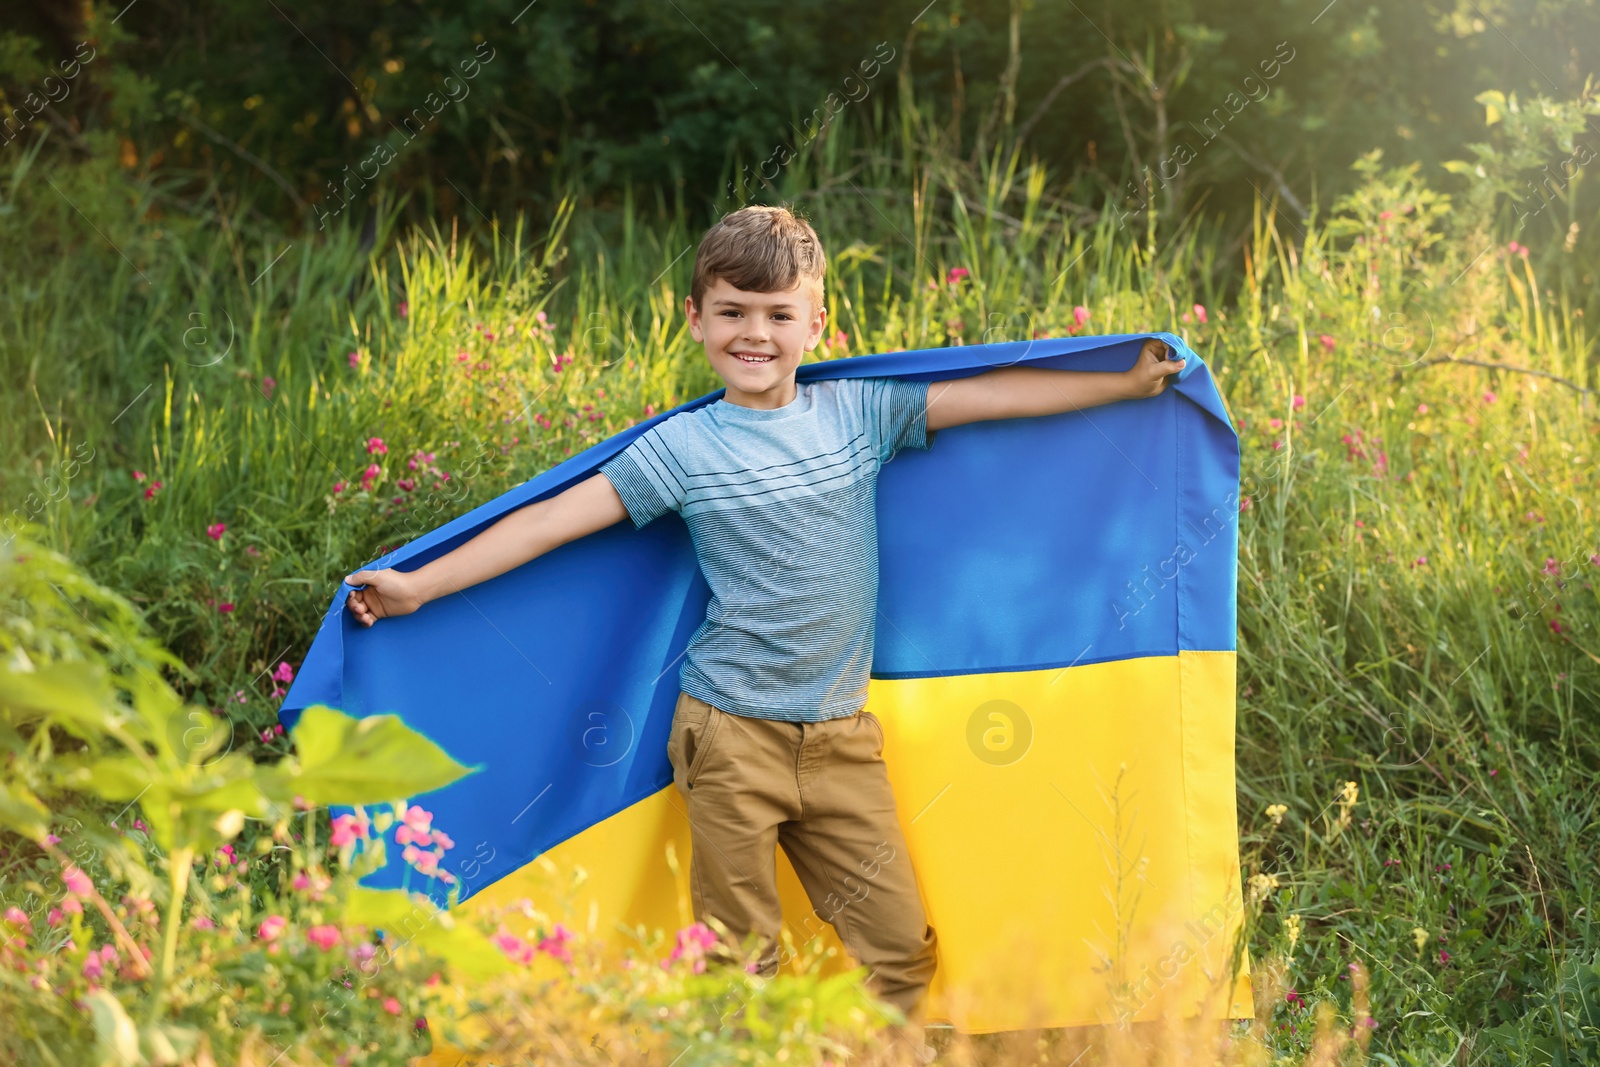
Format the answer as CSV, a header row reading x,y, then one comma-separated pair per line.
x,y
1149,373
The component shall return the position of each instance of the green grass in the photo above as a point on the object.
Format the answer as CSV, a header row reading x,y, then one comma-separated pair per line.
x,y
1425,625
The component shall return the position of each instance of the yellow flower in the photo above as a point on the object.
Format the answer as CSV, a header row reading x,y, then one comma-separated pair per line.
x,y
1348,796
1420,936
1261,885
1291,926
1275,812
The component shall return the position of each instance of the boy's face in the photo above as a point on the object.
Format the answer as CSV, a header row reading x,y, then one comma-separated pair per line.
x,y
756,340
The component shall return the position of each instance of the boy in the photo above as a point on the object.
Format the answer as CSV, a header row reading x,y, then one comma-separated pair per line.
x,y
770,742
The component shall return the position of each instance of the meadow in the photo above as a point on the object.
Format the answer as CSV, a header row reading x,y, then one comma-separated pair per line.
x,y
210,420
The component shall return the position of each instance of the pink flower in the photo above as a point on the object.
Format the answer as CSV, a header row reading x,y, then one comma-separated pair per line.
x,y
338,487
1555,625
216,530
443,840
1488,398
1444,957
54,918
405,835
76,881
92,967
203,922
1551,566
1294,999
271,927
324,937
284,673
1200,313
225,607
391,1005
17,917
692,942
406,484
355,360
649,411
1297,403
1422,409
404,309
347,829
956,275
1276,424
138,476
420,821
267,386
556,944
251,550
1244,503
1385,216
1595,559
1080,315
376,445
151,491
1327,342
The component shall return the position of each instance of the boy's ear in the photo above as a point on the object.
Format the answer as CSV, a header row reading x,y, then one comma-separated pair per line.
x,y
819,325
693,315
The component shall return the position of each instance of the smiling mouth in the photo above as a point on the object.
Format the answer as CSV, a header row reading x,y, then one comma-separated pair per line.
x,y
752,358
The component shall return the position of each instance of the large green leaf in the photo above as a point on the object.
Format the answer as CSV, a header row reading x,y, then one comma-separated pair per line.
x,y
416,920
343,760
21,811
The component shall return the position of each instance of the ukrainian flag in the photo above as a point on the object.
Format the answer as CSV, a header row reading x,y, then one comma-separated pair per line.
x,y
1054,672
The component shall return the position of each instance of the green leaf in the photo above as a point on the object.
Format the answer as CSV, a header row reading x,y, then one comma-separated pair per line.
x,y
21,811
117,1038
343,760
416,920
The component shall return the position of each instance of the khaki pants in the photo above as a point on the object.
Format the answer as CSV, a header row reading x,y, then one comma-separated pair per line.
x,y
821,790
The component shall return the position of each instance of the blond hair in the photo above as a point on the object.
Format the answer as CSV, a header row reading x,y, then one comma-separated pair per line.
x,y
760,250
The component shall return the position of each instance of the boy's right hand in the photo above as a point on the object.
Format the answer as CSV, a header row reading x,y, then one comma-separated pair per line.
x,y
388,593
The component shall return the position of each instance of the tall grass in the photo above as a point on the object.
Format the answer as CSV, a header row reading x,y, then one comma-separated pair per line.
x,y
1418,547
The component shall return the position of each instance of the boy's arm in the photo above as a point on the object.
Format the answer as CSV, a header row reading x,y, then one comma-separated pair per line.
x,y
592,504
1015,392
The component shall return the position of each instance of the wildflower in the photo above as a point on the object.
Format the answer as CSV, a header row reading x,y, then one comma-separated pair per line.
x,y
1444,957
515,949
1555,625
76,881
1385,216
138,476
1276,424
692,942
284,673
347,829
1275,812
1080,315
150,492
338,487
1327,343
203,922
1291,928
1200,313
18,918
404,309
1391,862
1420,937
376,445
391,1005
271,927
1244,503
54,918
956,275
267,386
1551,566
355,360
93,969
1294,1000
556,944
1348,797
1277,445
324,936
251,550
649,411
1297,403
1422,409
1262,884
1488,398
225,607
1420,561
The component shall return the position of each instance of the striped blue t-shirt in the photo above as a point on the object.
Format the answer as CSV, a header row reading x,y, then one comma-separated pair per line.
x,y
781,507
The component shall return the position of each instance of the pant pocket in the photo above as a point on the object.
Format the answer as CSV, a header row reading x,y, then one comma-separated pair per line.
x,y
694,723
